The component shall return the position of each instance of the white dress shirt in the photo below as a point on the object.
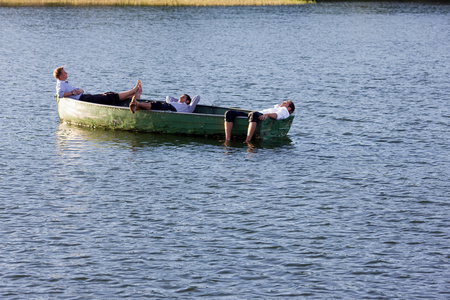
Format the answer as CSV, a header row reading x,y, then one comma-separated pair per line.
x,y
183,107
64,87
282,112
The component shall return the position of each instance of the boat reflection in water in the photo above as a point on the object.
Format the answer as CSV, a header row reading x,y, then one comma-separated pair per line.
x,y
71,137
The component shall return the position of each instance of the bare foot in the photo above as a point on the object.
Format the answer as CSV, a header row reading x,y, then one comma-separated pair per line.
x,y
139,91
136,87
133,105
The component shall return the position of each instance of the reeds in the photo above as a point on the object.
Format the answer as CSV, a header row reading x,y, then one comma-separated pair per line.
x,y
151,2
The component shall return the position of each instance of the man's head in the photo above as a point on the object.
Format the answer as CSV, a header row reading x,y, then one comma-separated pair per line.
x,y
185,99
60,73
289,105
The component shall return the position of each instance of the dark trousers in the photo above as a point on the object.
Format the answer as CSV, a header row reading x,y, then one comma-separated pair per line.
x,y
162,106
108,98
230,115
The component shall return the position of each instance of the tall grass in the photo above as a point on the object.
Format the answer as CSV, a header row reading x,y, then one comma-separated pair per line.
x,y
150,2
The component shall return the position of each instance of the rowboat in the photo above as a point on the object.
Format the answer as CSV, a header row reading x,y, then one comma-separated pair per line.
x,y
205,120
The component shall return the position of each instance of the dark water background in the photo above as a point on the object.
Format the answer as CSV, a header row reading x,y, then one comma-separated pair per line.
x,y
354,205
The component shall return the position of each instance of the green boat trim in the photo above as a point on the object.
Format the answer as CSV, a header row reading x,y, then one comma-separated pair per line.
x,y
205,120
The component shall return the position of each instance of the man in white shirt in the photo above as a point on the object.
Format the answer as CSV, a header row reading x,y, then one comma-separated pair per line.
x,y
64,89
183,104
278,112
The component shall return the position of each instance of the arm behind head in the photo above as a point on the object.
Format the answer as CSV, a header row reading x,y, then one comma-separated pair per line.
x,y
194,103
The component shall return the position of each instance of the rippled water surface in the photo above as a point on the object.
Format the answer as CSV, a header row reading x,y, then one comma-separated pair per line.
x,y
354,204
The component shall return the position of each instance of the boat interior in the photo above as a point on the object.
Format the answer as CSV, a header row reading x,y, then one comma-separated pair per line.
x,y
199,109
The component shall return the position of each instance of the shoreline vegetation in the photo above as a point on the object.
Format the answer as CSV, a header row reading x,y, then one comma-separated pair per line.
x,y
18,3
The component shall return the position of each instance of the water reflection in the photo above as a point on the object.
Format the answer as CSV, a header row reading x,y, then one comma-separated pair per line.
x,y
74,137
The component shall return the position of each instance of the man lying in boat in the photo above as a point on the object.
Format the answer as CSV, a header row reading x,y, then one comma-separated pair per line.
x,y
64,89
278,112
183,104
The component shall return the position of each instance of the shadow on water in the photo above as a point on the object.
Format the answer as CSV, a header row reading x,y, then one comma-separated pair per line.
x,y
105,138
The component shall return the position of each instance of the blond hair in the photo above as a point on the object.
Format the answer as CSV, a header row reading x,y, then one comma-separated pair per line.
x,y
58,72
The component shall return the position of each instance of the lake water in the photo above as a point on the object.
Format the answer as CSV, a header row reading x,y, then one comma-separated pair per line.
x,y
353,205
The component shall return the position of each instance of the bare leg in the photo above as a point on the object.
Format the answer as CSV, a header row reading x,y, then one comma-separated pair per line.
x,y
131,93
135,105
228,129
250,131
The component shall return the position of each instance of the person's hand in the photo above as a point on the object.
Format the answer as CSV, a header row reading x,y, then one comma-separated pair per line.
x,y
263,117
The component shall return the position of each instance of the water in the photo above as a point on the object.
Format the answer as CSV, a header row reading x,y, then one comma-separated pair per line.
x,y
353,205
